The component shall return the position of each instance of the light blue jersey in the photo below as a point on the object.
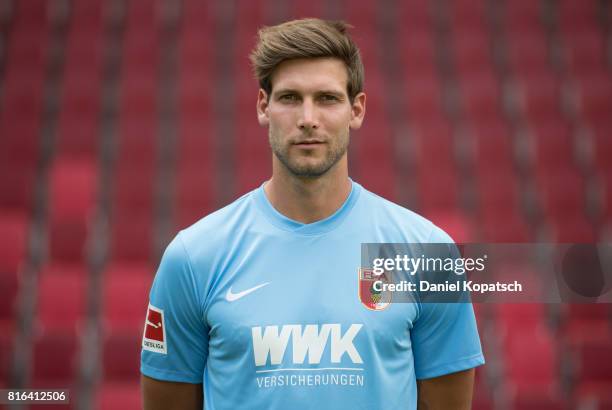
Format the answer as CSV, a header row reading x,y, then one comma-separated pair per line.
x,y
265,312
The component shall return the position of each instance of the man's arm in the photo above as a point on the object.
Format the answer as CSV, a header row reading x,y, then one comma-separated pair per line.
x,y
451,391
161,395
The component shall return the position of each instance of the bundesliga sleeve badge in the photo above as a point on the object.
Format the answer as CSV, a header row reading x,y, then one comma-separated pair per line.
x,y
154,337
368,295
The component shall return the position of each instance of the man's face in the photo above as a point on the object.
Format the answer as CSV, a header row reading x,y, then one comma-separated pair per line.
x,y
309,114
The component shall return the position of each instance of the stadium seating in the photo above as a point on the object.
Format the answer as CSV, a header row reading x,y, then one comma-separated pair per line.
x,y
593,374
72,198
531,365
60,315
585,323
13,248
122,122
118,396
6,350
120,314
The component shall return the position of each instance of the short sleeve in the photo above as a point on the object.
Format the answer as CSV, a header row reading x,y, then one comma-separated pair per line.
x,y
445,336
175,340
445,340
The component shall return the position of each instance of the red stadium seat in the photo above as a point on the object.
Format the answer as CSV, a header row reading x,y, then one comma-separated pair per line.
x,y
577,17
73,187
434,141
253,170
142,37
13,242
81,93
467,14
597,401
138,107
195,106
492,149
521,15
118,396
481,95
124,304
253,152
20,121
593,371
584,323
602,146
539,97
471,50
438,191
482,399
73,190
585,50
539,401
19,142
522,318
195,193
61,311
457,225
552,147
562,194
424,98
131,237
6,355
125,297
439,185
302,9
32,13
416,52
79,111
55,360
62,298
9,292
374,162
133,190
498,193
593,96
121,356
508,228
575,230
196,156
79,135
196,13
531,365
528,51
17,182
606,197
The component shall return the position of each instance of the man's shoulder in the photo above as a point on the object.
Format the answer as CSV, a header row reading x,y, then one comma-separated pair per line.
x,y
419,228
218,224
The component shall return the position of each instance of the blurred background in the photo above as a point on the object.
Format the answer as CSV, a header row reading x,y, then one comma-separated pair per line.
x,y
123,121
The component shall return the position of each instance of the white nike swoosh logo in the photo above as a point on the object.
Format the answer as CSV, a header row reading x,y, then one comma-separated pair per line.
x,y
231,297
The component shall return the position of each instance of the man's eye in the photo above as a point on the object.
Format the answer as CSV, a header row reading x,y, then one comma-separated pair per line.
x,y
288,97
329,97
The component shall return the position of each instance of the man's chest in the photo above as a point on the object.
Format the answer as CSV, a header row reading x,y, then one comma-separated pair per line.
x,y
292,307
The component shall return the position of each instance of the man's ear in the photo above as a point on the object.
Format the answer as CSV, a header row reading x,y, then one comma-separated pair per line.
x,y
262,108
358,109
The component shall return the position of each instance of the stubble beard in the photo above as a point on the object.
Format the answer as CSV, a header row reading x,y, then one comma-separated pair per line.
x,y
337,148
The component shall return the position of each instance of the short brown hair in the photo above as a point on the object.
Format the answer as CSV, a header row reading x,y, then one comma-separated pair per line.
x,y
306,38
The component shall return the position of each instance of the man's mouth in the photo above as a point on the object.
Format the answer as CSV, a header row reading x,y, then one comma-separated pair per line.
x,y
310,142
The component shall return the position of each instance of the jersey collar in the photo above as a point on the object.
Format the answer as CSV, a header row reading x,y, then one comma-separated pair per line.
x,y
315,228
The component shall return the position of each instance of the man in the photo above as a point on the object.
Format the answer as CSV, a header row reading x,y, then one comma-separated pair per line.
x,y
256,306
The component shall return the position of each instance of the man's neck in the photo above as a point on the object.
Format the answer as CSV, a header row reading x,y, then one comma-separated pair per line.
x,y
308,200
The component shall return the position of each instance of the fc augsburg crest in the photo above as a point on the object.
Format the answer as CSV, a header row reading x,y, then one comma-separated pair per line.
x,y
371,296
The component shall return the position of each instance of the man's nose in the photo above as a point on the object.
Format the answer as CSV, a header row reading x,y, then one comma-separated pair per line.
x,y
307,118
